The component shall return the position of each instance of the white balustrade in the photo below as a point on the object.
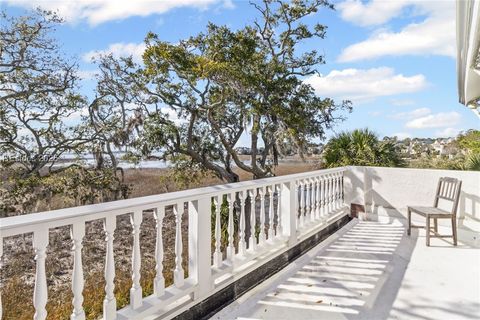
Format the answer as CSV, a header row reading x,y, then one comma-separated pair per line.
x,y
252,244
230,228
159,281
242,245
136,290
217,255
77,233
271,231
109,303
279,230
178,273
262,235
292,199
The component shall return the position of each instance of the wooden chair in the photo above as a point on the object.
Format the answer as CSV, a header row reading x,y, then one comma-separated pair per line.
x,y
447,189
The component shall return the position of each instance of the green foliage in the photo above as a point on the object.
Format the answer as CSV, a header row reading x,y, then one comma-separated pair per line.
x,y
73,186
360,147
200,94
470,141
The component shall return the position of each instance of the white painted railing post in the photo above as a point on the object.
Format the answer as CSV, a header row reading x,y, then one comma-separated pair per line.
x,y
77,233
279,231
159,282
136,289
271,231
109,303
178,273
242,245
252,242
318,215
40,295
230,246
217,255
262,236
289,211
303,210
199,245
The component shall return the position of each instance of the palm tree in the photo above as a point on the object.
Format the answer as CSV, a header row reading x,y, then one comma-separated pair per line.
x,y
360,147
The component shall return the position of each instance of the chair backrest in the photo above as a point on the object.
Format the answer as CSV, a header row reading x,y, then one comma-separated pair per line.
x,y
448,189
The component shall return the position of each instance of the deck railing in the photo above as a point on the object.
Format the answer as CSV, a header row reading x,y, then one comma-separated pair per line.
x,y
265,218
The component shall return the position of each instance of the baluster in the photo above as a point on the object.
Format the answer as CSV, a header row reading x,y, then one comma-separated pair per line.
x,y
178,274
327,195
109,303
341,190
242,245
136,289
335,190
1,268
230,247
252,244
159,282
217,255
77,233
311,201
40,296
279,230
308,206
317,199
322,198
302,203
332,193
271,230
262,236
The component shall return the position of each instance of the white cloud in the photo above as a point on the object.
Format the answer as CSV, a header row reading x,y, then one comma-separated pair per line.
x,y
434,35
365,84
438,120
372,13
118,50
417,113
99,11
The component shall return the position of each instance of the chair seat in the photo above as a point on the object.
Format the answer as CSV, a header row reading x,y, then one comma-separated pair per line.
x,y
431,211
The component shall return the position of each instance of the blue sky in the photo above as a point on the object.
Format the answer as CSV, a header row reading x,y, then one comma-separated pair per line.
x,y
394,59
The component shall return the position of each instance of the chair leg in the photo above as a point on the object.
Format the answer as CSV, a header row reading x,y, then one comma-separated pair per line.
x,y
435,225
427,230
409,230
454,230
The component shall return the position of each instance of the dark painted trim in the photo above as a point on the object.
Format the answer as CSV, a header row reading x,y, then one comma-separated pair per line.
x,y
211,305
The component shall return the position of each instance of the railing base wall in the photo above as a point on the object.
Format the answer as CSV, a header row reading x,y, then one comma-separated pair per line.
x,y
211,305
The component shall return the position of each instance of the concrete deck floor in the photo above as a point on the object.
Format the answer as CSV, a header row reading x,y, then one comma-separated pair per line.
x,y
370,270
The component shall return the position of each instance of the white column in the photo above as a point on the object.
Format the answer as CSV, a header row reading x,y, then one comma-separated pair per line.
x,y
159,282
289,211
178,274
136,289
77,233
311,200
242,245
217,255
262,236
109,303
252,244
40,242
199,245
230,246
